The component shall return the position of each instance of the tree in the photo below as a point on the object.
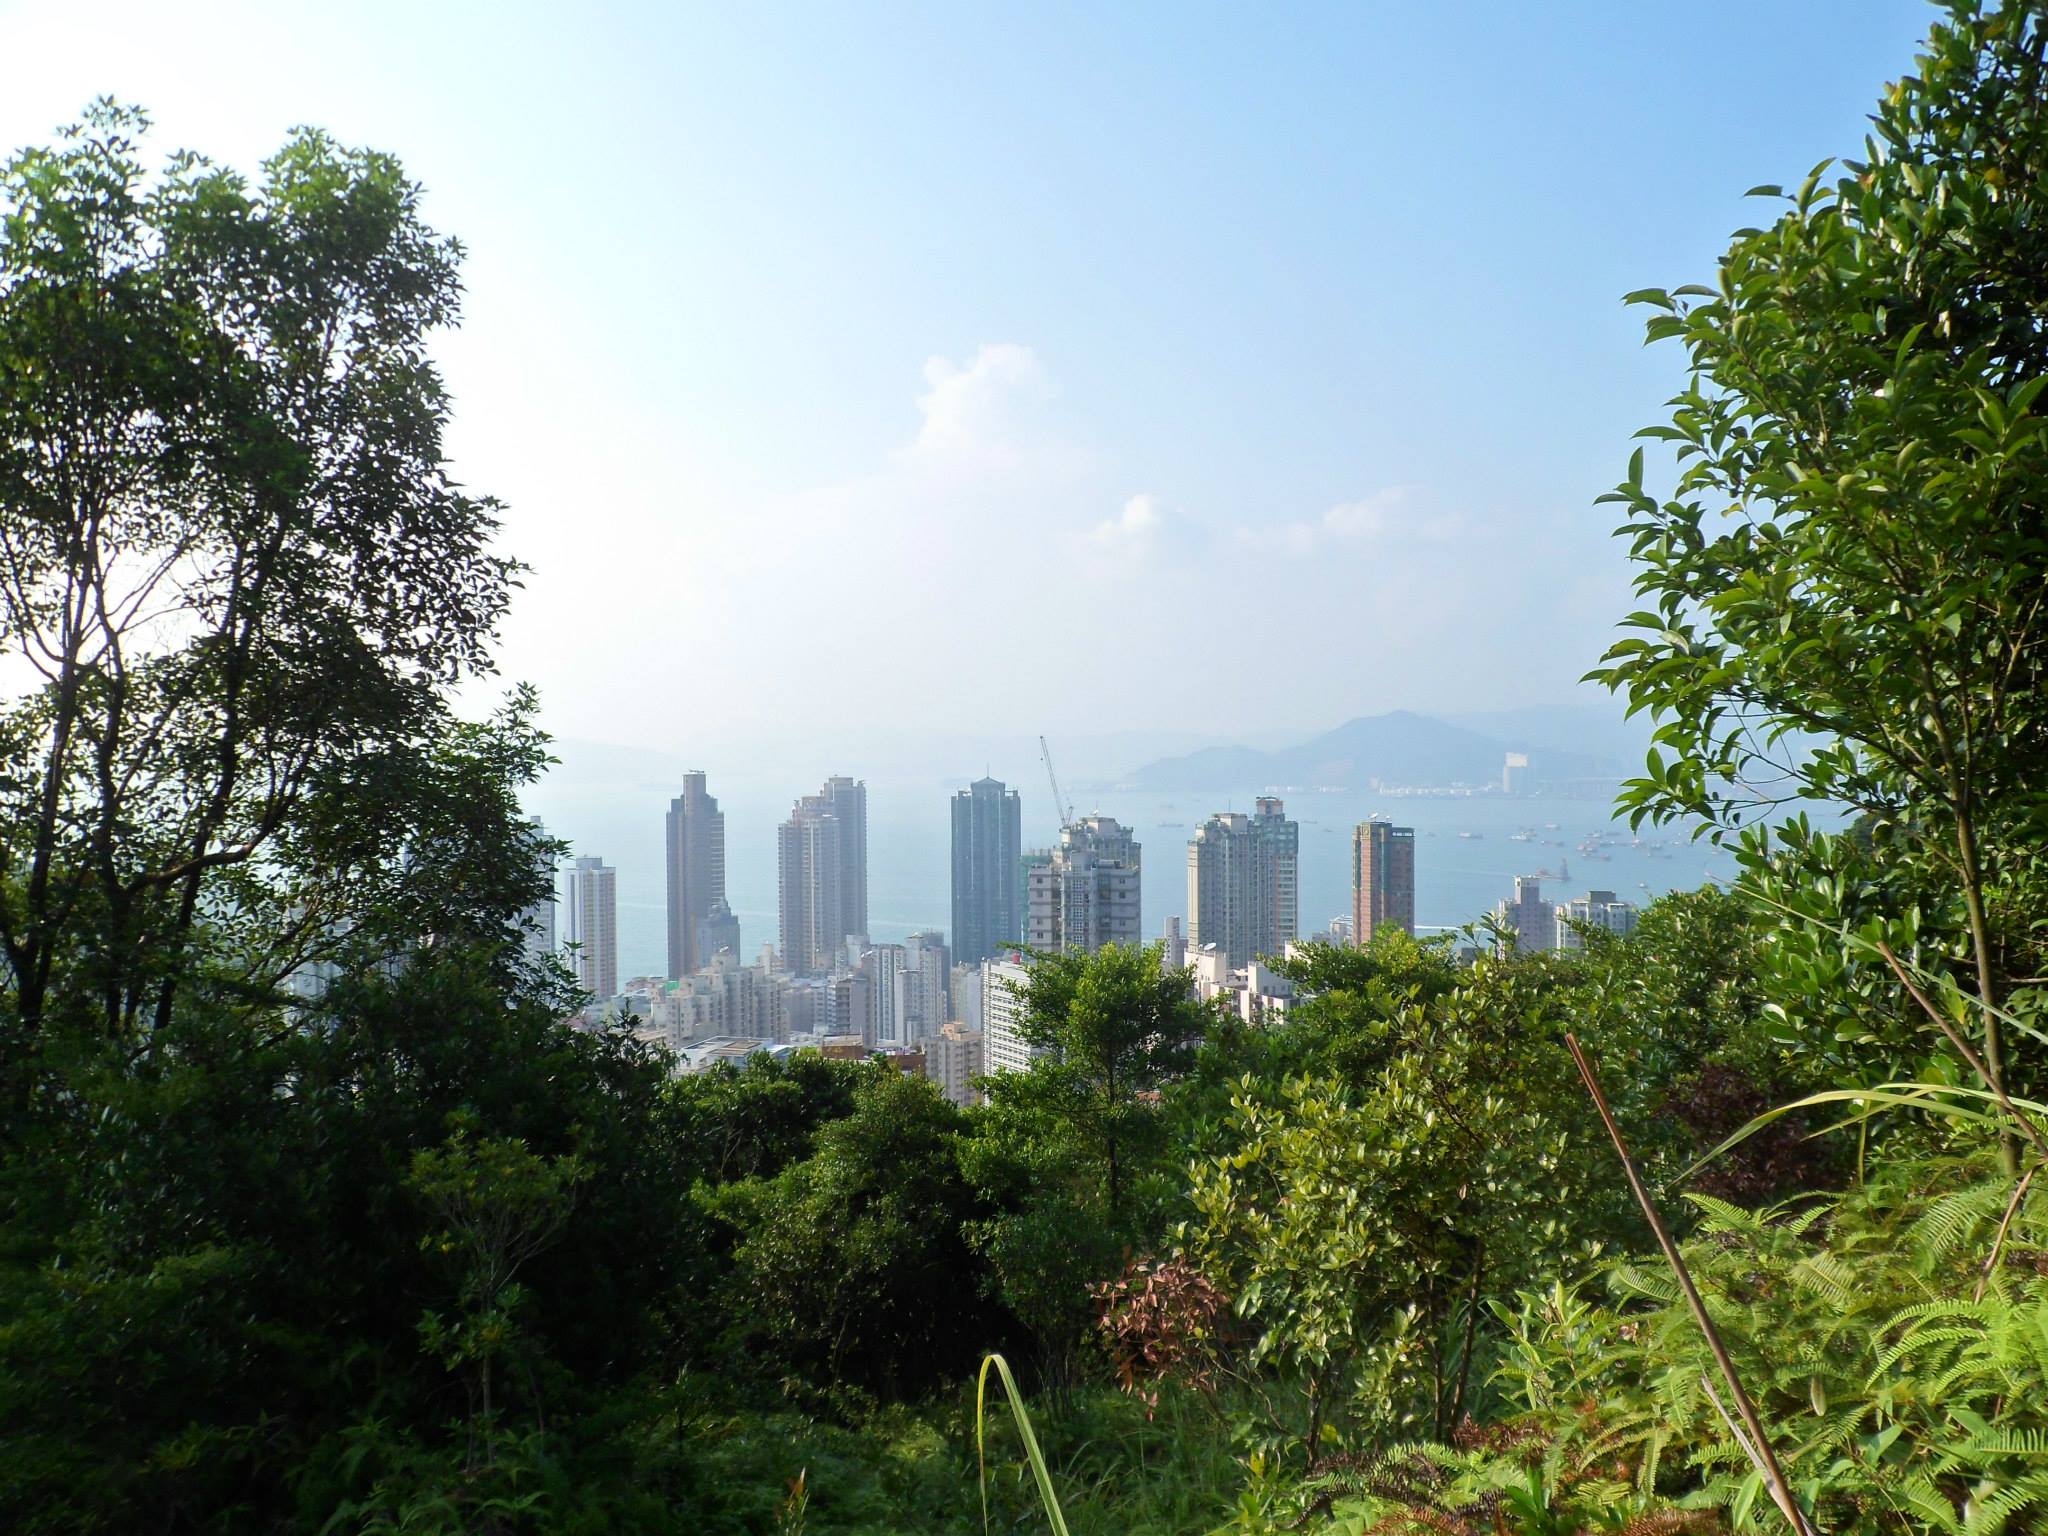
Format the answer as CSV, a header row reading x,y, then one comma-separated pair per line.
x,y
1118,1026
1363,1223
851,1266
1865,623
231,553
1076,1156
755,1119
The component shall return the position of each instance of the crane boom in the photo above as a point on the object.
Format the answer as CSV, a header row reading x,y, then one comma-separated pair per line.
x,y
1059,804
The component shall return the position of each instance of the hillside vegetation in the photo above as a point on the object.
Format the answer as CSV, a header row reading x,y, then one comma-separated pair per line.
x,y
317,1220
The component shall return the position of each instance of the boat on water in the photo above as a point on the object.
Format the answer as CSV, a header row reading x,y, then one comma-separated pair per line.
x,y
1475,836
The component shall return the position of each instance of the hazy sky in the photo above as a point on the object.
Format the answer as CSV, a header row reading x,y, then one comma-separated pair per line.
x,y
869,368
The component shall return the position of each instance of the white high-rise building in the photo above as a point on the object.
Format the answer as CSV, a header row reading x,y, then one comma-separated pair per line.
x,y
1602,910
1173,947
928,978
888,1021
1085,894
1244,883
1528,917
822,869
1002,1011
591,923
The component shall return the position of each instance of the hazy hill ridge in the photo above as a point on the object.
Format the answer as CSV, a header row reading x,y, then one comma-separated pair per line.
x,y
1398,749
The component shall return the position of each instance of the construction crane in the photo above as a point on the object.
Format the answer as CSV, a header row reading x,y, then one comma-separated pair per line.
x,y
1059,804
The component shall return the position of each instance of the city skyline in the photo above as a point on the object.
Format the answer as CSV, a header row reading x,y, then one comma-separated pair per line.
x,y
911,997
912,844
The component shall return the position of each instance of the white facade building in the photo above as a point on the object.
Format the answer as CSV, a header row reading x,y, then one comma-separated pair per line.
x,y
591,923
888,1021
1085,893
1530,919
1596,909
1255,992
1002,1011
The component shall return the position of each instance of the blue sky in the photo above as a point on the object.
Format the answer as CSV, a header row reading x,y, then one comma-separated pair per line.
x,y
876,368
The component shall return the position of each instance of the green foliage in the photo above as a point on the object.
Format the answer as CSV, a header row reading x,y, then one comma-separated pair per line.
x,y
1846,587
1076,1157
755,1119
1894,1395
852,1267
238,576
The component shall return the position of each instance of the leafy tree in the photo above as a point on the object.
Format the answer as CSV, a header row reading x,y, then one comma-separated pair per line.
x,y
755,1119
1117,1026
231,554
852,1267
1076,1157
1362,1227
1849,586
495,1206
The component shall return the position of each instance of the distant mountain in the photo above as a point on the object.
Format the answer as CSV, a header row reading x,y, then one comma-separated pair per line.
x,y
1598,729
1401,748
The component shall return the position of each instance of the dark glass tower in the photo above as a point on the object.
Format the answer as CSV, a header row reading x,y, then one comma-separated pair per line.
x,y
988,871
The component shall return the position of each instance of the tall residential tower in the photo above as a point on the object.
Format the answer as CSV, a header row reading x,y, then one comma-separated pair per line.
x,y
1382,880
696,874
1244,883
591,923
988,871
1085,893
822,870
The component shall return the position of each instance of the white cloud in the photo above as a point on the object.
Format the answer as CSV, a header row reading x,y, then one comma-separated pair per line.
x,y
1135,531
1400,514
988,414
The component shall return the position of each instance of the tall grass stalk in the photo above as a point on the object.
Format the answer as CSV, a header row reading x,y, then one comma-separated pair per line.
x,y
1032,1453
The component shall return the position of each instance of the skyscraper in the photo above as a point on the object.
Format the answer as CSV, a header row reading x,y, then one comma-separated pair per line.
x,y
537,922
1085,893
719,930
1276,843
988,871
1220,887
928,964
822,871
696,873
592,925
1530,921
1243,883
1382,879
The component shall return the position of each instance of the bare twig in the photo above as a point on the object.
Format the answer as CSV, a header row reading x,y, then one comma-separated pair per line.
x,y
1963,1048
2012,1208
1765,1459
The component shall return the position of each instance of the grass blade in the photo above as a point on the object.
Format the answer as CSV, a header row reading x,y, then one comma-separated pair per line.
x,y
1032,1453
